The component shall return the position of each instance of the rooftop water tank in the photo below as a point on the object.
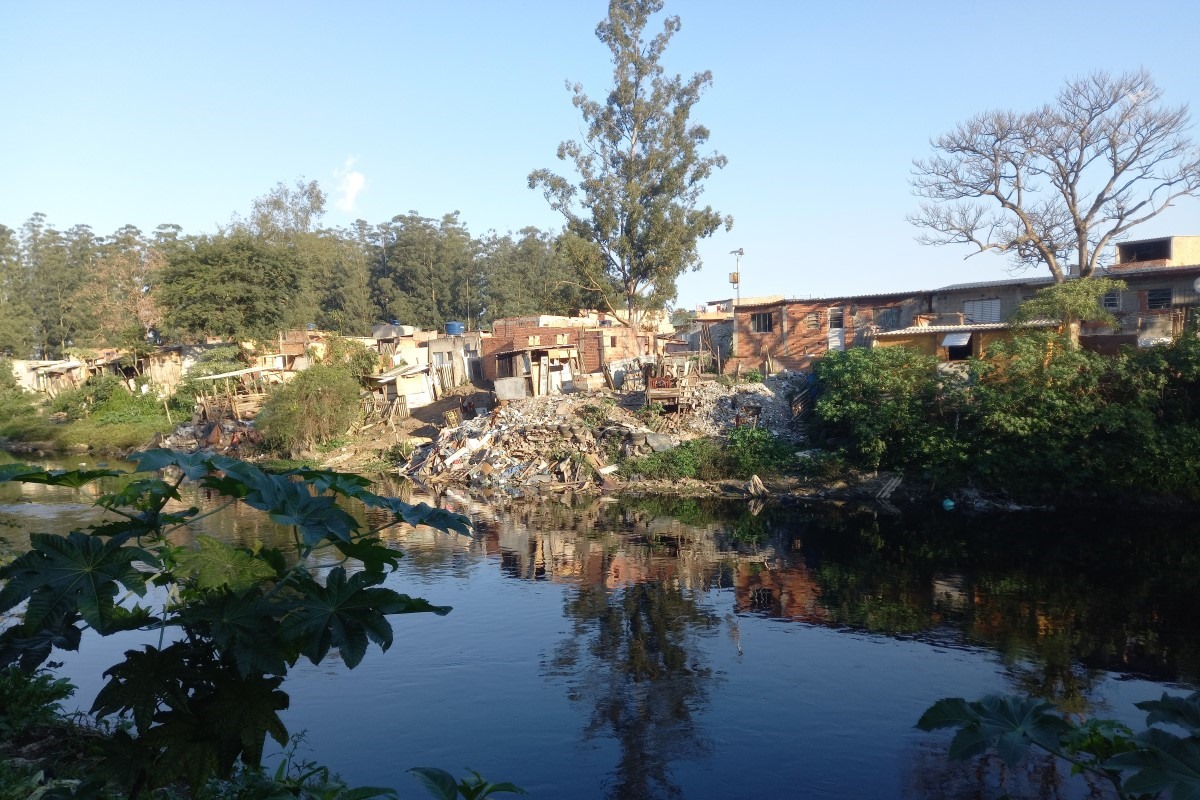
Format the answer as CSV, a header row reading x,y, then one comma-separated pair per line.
x,y
455,329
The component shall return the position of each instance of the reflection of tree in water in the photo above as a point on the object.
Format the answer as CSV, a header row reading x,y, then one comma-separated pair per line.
x,y
630,658
929,774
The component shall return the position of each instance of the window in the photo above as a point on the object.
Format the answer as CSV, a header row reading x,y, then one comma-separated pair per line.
x,y
762,323
612,341
534,341
812,320
562,338
1158,298
1111,301
837,318
982,310
887,318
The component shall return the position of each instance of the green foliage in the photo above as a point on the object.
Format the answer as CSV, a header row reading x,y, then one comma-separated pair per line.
x,y
361,361
15,402
234,285
696,458
745,452
650,415
1151,762
319,404
888,406
29,700
633,219
753,376
442,786
1037,417
1071,301
204,704
755,451
594,415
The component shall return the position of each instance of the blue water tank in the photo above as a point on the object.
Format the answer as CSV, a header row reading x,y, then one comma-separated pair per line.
x,y
455,329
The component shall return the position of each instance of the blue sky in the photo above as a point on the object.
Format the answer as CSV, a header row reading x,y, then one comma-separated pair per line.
x,y
147,113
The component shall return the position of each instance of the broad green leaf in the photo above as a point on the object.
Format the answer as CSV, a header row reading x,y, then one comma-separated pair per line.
x,y
1004,723
74,478
291,503
76,570
140,493
146,681
193,465
343,483
1174,710
373,554
424,514
216,564
226,719
1166,763
345,613
243,627
29,649
437,782
949,712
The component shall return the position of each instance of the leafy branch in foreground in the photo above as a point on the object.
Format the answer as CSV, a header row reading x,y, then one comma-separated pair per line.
x,y
202,702
1139,765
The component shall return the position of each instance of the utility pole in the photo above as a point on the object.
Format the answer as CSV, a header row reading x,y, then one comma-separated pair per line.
x,y
735,277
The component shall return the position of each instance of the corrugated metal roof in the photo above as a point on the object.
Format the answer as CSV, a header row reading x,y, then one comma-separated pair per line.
x,y
955,287
965,327
1118,273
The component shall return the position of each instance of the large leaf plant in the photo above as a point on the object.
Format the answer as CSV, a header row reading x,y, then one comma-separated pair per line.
x,y
1155,762
202,700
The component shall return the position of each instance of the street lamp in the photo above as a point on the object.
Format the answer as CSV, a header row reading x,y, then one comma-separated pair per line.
x,y
735,277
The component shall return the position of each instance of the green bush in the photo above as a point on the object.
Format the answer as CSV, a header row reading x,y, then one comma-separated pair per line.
x,y
1038,417
319,404
29,700
888,406
746,452
361,361
80,403
755,451
15,402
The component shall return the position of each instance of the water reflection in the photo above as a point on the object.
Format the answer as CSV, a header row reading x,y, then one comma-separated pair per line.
x,y
658,599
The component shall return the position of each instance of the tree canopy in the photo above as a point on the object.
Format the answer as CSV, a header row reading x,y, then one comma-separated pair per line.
x,y
1054,186
633,219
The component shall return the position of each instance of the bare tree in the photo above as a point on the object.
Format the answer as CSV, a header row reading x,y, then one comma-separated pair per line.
x,y
1056,185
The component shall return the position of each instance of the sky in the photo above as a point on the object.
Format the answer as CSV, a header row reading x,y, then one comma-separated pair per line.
x,y
146,113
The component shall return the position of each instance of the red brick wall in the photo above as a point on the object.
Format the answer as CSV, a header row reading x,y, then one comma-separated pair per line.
x,y
792,343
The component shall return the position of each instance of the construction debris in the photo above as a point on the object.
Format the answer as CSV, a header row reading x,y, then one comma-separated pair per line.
x,y
561,443
536,444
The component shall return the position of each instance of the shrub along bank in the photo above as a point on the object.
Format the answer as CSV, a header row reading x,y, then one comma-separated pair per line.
x,y
1038,417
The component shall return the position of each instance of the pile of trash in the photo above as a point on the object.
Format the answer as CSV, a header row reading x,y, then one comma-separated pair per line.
x,y
538,444
720,407
226,437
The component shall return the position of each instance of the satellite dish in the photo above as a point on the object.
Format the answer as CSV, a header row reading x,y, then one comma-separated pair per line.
x,y
1196,284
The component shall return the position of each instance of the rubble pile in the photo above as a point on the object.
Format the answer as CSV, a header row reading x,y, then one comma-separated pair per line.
x,y
569,441
226,436
719,408
539,443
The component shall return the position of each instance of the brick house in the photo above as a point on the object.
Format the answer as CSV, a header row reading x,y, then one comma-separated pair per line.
x,y
794,333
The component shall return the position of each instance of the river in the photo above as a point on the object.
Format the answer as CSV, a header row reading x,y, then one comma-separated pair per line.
x,y
679,649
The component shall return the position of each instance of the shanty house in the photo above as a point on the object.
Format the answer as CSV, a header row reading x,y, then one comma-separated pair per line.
x,y
792,334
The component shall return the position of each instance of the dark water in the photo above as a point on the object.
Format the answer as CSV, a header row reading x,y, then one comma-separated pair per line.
x,y
675,649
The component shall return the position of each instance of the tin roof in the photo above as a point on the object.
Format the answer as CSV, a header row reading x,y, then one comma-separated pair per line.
x,y
954,287
966,327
